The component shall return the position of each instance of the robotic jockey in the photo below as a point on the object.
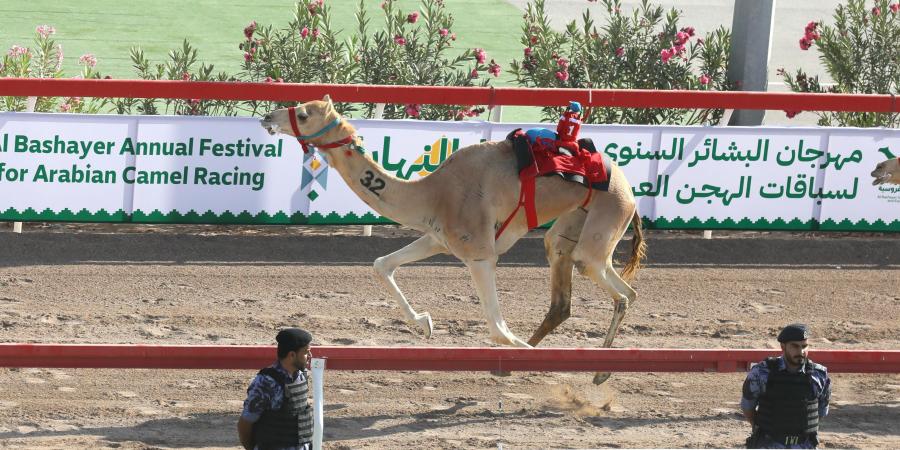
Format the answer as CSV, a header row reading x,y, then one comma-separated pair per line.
x,y
568,127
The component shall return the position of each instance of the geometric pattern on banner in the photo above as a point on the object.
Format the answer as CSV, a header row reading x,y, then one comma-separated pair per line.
x,y
313,170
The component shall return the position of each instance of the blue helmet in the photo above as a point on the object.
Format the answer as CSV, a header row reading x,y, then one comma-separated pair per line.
x,y
575,106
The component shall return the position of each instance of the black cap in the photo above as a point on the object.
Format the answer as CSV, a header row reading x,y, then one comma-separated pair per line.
x,y
290,339
794,332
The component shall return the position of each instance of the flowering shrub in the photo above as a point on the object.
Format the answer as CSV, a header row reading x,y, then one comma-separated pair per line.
x,y
644,50
45,61
305,51
410,50
181,65
861,55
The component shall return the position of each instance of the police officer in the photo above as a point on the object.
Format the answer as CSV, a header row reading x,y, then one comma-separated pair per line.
x,y
277,414
784,397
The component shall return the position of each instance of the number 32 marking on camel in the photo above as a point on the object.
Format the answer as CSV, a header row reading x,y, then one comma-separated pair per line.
x,y
372,183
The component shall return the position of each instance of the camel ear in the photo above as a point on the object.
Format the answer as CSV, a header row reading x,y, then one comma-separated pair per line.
x,y
327,99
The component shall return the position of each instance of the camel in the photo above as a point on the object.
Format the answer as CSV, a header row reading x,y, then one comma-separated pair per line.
x,y
461,205
887,171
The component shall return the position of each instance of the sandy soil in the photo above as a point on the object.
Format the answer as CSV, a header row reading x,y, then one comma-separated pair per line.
x,y
196,284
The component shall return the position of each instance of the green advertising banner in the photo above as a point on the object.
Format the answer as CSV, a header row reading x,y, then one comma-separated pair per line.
x,y
165,169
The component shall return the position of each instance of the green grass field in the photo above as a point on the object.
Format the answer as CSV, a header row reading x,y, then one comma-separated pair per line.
x,y
108,29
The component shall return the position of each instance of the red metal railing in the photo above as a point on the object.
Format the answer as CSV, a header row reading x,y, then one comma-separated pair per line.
x,y
431,358
636,98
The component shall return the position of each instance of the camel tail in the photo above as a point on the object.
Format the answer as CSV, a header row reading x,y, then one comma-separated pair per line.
x,y
638,250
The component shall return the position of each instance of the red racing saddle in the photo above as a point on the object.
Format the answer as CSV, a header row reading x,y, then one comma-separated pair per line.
x,y
543,157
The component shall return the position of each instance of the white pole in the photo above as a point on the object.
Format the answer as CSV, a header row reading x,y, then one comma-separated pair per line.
x,y
497,114
707,234
318,374
30,104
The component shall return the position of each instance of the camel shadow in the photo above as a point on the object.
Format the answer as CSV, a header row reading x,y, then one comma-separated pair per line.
x,y
195,430
217,429
878,418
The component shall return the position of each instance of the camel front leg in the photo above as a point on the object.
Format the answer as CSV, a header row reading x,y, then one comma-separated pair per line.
x,y
385,266
484,276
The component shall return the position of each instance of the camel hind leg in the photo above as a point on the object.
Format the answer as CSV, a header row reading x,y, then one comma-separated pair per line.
x,y
385,266
592,256
559,242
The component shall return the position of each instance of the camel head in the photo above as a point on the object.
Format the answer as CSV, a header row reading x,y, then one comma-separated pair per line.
x,y
310,120
887,172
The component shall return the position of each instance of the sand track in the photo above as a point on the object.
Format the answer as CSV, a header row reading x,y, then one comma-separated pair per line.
x,y
202,285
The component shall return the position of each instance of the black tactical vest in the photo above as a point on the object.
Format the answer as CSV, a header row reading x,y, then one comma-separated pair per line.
x,y
291,425
789,407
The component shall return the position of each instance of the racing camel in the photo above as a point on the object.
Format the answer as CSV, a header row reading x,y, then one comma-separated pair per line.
x,y
887,171
461,205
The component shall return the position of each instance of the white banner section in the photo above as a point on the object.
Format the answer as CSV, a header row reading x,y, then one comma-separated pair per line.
x,y
164,169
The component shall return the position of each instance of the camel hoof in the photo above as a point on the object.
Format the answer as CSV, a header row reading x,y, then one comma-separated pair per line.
x,y
425,324
501,373
601,377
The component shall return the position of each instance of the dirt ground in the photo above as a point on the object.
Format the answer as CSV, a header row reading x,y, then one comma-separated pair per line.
x,y
238,285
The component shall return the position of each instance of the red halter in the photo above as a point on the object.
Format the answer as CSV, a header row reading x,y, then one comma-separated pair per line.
x,y
304,140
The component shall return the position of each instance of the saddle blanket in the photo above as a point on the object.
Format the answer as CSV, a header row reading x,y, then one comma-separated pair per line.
x,y
538,154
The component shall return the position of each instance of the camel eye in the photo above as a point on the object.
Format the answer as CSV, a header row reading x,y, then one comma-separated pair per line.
x,y
302,116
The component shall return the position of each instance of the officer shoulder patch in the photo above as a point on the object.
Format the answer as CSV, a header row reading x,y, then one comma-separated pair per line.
x,y
817,366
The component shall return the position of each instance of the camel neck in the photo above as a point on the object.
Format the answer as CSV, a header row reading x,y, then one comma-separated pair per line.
x,y
391,197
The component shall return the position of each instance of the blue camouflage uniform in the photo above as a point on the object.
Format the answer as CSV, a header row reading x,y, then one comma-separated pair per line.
x,y
267,394
755,385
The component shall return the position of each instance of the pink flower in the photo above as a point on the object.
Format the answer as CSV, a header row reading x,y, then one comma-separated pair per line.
x,y
811,36
678,49
480,55
315,33
45,31
399,40
533,40
185,76
314,6
413,110
810,27
562,75
65,107
791,114
444,32
876,11
494,68
689,31
895,8
249,29
453,37
16,51
620,51
474,74
412,17
666,54
248,56
383,5
304,32
88,60
805,43
681,38
563,63
528,51
704,79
